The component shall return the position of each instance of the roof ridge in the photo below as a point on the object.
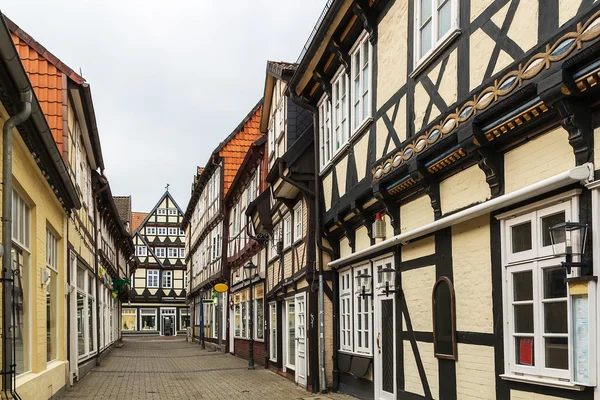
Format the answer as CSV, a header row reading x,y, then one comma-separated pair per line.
x,y
43,51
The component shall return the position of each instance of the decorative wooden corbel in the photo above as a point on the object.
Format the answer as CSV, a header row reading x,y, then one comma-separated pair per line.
x,y
368,222
576,117
350,234
473,141
341,54
392,207
361,9
326,86
428,182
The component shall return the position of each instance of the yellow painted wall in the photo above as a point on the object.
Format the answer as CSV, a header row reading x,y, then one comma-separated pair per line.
x,y
543,157
360,156
412,379
341,172
417,285
475,376
327,190
415,213
463,189
362,239
345,249
471,261
420,248
391,74
520,395
44,379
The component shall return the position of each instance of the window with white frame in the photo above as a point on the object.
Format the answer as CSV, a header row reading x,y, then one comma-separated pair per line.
x,y
287,231
173,252
325,130
151,230
362,323
161,211
167,279
181,232
141,251
535,292
51,295
361,56
173,231
273,331
159,252
21,322
172,211
152,278
346,310
435,21
182,252
259,310
271,135
356,326
162,231
276,238
298,221
340,111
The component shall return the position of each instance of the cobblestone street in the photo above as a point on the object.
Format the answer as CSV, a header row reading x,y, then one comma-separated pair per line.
x,y
156,368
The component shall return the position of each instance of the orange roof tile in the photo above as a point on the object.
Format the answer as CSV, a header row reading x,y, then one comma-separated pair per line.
x,y
234,151
45,71
136,219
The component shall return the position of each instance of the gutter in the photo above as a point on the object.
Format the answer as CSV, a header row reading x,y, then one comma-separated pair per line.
x,y
583,173
8,271
319,240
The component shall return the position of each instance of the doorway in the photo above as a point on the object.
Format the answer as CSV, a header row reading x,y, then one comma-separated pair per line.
x,y
300,311
385,347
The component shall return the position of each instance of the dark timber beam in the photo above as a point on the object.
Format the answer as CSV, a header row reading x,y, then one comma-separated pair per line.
x,y
575,115
428,182
473,141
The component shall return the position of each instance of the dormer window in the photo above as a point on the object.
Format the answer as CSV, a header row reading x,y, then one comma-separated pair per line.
x,y
436,21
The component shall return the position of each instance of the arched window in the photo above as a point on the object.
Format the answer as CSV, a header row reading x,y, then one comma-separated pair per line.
x,y
444,320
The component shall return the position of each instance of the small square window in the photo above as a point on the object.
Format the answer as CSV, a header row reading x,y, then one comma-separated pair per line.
x,y
521,237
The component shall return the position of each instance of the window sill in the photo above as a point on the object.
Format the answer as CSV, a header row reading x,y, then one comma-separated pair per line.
x,y
433,54
298,241
361,128
354,353
543,382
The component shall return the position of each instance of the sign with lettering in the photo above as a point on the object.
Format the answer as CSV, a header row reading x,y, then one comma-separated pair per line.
x,y
581,339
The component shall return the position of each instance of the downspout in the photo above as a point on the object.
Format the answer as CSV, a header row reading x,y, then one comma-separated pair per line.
x,y
8,366
296,99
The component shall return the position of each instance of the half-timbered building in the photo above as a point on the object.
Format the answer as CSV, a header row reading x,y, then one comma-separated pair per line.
x,y
283,219
157,301
115,255
246,258
452,136
206,231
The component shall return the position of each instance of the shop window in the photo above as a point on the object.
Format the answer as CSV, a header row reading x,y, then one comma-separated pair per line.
x,y
444,320
148,319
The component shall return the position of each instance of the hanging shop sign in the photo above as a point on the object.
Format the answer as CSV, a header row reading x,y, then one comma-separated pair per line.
x,y
221,287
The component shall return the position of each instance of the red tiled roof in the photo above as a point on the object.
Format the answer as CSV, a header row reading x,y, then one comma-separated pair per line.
x,y
45,71
136,219
234,151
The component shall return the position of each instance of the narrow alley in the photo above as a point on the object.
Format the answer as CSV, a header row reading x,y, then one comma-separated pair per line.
x,y
170,368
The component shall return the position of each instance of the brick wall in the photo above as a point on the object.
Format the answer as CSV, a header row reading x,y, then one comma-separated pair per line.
x,y
242,350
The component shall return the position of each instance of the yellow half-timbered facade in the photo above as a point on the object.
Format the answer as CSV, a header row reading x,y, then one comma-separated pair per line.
x,y
452,136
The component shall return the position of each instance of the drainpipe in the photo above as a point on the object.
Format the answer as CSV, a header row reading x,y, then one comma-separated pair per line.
x,y
8,366
300,102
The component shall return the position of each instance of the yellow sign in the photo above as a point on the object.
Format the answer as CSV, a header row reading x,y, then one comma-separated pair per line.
x,y
221,287
578,288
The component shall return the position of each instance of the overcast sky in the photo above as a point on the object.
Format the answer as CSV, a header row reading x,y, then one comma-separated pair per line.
x,y
170,79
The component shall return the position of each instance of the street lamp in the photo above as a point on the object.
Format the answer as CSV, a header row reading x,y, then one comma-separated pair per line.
x,y
248,271
569,238
364,282
387,276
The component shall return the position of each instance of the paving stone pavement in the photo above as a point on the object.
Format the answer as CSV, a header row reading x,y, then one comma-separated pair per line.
x,y
171,368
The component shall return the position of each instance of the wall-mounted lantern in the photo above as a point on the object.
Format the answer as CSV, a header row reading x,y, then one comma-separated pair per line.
x,y
387,276
364,283
568,239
